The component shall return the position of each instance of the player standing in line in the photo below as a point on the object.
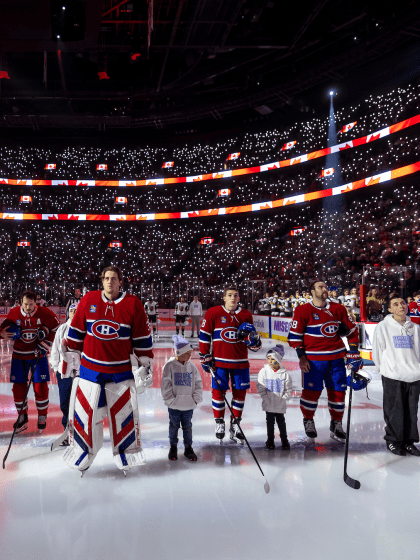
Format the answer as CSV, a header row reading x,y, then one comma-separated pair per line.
x,y
111,332
181,310
232,333
73,299
315,333
33,329
195,312
151,310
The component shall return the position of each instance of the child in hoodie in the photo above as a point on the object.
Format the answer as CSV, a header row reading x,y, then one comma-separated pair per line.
x,y
274,385
56,361
396,353
182,390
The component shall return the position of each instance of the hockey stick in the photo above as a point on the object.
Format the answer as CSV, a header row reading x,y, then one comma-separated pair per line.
x,y
355,484
266,485
20,411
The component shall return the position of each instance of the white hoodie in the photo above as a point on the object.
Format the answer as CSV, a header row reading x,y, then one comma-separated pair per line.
x,y
274,387
396,349
182,387
56,354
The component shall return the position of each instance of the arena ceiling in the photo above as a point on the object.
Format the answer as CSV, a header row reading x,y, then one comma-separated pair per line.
x,y
157,63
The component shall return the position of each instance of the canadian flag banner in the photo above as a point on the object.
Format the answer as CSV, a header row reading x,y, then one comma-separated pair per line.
x,y
102,167
167,164
224,192
121,199
235,155
288,145
327,172
50,166
348,127
26,198
23,243
206,240
115,244
297,230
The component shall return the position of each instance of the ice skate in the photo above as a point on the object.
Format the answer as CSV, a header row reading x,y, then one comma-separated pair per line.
x,y
42,423
22,424
310,429
336,431
189,453
220,429
235,432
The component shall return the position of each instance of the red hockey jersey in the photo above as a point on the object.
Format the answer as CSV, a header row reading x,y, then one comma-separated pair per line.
x,y
107,332
41,318
319,330
221,327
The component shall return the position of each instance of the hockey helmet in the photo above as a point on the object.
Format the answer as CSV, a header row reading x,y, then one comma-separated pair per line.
x,y
361,379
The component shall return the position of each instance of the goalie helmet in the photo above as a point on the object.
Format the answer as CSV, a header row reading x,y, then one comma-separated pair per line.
x,y
361,379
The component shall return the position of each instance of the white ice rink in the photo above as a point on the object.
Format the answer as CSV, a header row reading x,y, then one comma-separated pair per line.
x,y
215,509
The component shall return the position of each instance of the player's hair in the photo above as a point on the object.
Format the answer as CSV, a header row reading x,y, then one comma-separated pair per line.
x,y
416,294
112,269
312,284
78,287
394,295
27,294
228,288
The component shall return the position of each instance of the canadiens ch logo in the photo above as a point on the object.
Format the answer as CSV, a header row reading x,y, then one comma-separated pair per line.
x,y
329,329
105,330
29,336
229,334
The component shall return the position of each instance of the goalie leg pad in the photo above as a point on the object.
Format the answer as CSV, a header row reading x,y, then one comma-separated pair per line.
x,y
85,424
124,424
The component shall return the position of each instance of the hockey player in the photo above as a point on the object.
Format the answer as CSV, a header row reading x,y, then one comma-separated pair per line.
x,y
181,310
284,305
33,329
274,304
73,299
151,310
112,334
315,333
232,332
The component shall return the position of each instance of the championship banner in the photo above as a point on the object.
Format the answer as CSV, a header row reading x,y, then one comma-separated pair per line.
x,y
347,145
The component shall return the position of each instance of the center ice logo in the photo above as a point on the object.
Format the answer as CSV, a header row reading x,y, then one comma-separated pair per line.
x,y
105,330
229,335
329,329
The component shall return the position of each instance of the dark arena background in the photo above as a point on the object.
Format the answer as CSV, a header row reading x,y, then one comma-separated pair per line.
x,y
197,144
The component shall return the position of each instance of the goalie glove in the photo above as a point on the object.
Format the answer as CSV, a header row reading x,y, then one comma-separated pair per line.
x,y
207,362
71,364
142,369
247,333
353,358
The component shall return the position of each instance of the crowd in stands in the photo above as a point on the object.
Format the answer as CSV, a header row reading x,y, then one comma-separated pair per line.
x,y
372,235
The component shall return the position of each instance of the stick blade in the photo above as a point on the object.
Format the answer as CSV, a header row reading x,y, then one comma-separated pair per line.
x,y
267,488
355,484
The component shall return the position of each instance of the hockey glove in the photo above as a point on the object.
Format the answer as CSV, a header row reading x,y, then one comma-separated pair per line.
x,y
41,349
42,333
17,331
142,369
207,362
353,358
248,334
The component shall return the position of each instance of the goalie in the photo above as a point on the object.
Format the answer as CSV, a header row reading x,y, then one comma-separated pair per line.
x,y
110,338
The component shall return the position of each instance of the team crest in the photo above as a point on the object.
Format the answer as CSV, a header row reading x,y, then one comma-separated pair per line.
x,y
223,319
92,309
315,316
